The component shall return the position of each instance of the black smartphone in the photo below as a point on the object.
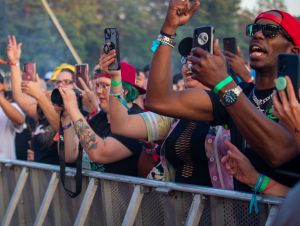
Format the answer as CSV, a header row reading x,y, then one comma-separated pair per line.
x,y
8,94
82,71
29,71
111,37
289,64
229,44
204,38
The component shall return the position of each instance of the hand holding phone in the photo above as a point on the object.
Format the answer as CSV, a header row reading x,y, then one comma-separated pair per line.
x,y
111,37
229,44
204,38
289,64
29,71
82,71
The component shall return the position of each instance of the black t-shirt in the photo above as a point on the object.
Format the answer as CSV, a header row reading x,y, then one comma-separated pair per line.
x,y
128,166
284,174
185,150
45,149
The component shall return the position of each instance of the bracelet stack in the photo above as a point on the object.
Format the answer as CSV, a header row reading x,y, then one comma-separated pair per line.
x,y
260,186
163,39
120,98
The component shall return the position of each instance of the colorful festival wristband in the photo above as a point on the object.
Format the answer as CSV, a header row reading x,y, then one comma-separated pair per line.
x,y
222,84
115,83
264,184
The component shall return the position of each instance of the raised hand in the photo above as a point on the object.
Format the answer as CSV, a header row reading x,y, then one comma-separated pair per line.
x,y
238,166
209,69
90,100
14,49
287,109
237,64
179,13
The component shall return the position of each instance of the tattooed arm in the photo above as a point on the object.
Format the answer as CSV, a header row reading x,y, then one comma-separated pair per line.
x,y
99,150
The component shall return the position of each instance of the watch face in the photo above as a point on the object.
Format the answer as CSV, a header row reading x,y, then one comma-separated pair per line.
x,y
229,97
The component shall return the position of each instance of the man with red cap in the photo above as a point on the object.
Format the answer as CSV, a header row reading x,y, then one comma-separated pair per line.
x,y
245,108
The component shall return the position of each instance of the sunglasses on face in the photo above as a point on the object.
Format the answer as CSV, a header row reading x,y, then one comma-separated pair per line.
x,y
268,30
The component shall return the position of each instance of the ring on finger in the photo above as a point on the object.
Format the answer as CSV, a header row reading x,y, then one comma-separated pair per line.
x,y
190,66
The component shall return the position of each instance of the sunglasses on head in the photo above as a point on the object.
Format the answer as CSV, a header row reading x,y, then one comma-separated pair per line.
x,y
268,30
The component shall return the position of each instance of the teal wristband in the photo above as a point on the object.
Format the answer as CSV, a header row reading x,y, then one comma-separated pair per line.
x,y
221,84
115,83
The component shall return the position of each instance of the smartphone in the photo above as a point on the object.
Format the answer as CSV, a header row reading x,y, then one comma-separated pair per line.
x,y
8,94
29,71
111,37
82,71
204,38
289,64
229,44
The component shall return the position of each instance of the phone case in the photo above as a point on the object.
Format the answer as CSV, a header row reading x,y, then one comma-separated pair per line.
x,y
29,71
289,64
229,44
82,71
204,38
111,36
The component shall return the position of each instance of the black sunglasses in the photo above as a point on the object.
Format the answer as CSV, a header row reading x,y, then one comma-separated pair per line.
x,y
268,30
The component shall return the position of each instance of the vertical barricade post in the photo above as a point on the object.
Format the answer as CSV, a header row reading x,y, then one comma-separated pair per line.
x,y
196,210
15,197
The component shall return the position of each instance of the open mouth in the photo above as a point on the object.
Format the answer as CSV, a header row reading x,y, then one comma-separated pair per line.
x,y
256,51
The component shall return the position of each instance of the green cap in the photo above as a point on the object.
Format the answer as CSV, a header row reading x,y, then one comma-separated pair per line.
x,y
280,83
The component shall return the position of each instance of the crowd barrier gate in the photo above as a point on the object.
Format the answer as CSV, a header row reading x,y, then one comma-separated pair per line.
x,y
31,194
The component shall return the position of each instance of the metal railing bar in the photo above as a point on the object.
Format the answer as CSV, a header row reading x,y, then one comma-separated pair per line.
x,y
134,205
207,191
15,197
272,214
195,211
47,200
86,203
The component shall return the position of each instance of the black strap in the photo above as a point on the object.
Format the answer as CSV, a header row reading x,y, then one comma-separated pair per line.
x,y
62,163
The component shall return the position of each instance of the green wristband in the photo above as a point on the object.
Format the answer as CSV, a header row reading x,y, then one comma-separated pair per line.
x,y
221,84
115,83
264,184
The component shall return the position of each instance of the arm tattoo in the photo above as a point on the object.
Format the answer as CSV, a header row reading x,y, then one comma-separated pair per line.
x,y
87,136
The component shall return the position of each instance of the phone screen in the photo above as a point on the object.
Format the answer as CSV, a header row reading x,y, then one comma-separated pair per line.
x,y
82,71
29,71
229,44
204,38
289,64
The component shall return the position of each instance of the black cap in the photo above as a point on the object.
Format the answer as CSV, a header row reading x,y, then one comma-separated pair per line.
x,y
185,46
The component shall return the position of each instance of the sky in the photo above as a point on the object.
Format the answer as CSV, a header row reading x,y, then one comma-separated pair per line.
x,y
292,5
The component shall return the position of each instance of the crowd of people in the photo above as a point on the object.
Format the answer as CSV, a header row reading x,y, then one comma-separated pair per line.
x,y
199,127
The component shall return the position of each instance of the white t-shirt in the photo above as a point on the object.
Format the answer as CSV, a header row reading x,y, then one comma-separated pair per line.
x,y
8,133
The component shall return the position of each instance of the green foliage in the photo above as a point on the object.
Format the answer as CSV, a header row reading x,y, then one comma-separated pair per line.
x,y
270,4
138,22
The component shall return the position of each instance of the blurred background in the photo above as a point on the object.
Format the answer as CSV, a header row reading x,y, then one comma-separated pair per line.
x,y
138,22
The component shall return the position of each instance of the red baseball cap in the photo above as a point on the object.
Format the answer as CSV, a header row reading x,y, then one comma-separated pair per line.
x,y
128,74
289,23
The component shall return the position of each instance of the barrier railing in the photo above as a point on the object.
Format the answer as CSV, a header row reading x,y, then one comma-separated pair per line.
x,y
31,194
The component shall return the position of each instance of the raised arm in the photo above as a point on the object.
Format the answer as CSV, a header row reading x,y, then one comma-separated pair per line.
x,y
119,117
98,149
241,169
33,89
26,103
160,95
270,139
10,111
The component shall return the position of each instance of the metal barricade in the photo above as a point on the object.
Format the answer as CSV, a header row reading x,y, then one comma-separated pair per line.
x,y
31,194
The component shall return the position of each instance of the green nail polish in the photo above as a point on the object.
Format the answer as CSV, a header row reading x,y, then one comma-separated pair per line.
x,y
280,83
